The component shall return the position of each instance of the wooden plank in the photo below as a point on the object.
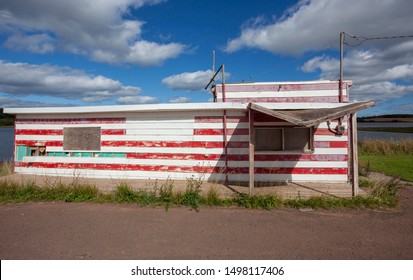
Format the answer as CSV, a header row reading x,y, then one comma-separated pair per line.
x,y
295,93
354,155
251,152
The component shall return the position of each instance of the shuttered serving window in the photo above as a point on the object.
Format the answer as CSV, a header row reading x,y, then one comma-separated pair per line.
x,y
298,139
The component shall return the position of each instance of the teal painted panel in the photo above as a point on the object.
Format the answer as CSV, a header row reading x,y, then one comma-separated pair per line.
x,y
111,155
106,154
87,155
22,151
119,155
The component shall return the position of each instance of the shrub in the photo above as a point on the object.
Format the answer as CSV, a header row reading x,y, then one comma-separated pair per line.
x,y
124,194
192,195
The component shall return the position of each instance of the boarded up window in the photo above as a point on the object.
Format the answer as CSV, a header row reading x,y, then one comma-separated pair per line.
x,y
283,139
81,138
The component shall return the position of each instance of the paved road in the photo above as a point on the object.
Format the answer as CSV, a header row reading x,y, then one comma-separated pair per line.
x,y
93,231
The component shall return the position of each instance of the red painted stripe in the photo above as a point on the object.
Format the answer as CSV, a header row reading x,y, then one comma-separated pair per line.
x,y
283,157
72,121
183,169
39,143
237,131
326,131
219,119
315,99
338,144
39,132
331,144
318,171
176,156
279,87
60,132
170,144
301,157
113,131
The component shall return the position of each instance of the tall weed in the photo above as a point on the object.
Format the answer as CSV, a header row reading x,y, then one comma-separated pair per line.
x,y
192,195
385,147
6,168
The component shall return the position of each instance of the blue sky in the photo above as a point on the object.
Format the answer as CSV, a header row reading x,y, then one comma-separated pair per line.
x,y
102,52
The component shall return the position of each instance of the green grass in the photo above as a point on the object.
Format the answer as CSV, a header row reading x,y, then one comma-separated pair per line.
x,y
382,194
400,166
392,158
29,191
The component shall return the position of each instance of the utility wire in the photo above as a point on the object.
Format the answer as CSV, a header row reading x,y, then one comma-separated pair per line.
x,y
364,39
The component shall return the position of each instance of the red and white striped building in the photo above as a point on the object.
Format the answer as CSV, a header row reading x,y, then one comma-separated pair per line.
x,y
255,132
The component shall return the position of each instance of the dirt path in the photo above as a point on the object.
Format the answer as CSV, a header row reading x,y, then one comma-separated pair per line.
x,y
92,231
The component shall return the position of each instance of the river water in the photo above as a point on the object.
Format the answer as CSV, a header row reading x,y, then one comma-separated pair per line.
x,y
7,136
363,135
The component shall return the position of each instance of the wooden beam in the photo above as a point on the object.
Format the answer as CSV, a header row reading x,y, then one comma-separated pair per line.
x,y
275,113
251,151
354,156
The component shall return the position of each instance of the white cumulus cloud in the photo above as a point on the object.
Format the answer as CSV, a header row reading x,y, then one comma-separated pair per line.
x,y
137,100
94,28
191,81
316,24
22,79
181,99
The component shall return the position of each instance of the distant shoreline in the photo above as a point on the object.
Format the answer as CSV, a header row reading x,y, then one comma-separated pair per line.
x,y
387,118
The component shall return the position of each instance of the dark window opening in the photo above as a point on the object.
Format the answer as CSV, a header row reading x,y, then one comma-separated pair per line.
x,y
36,151
283,139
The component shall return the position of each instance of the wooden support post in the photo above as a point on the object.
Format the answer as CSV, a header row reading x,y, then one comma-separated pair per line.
x,y
354,155
251,151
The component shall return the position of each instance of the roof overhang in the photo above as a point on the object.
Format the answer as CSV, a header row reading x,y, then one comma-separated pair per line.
x,y
177,107
311,117
170,107
301,114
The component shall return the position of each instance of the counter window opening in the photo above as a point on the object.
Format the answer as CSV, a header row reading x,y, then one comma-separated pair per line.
x,y
284,139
